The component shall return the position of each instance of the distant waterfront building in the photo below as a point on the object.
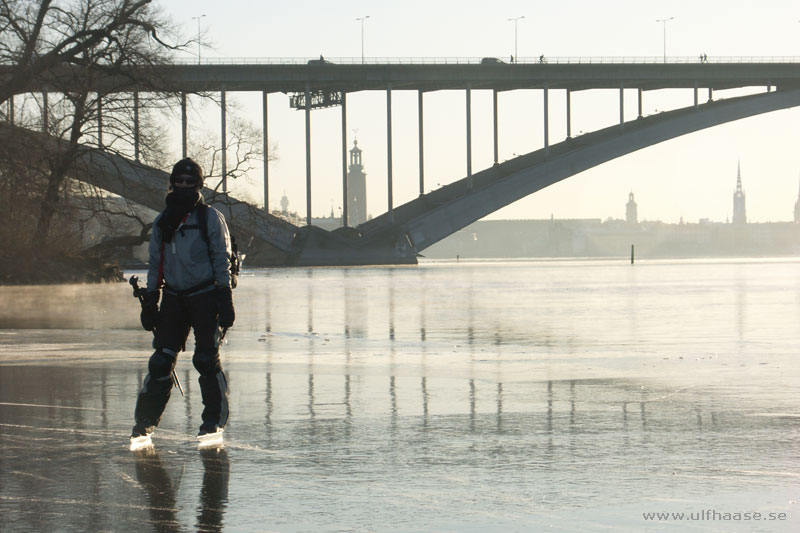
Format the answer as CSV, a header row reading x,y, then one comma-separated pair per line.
x,y
328,223
284,204
797,209
356,189
631,212
739,213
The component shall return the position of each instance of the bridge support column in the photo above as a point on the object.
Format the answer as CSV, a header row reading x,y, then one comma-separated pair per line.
x,y
639,98
224,140
494,121
421,145
695,94
99,121
136,126
389,152
45,117
710,94
569,114
546,116
621,104
344,158
265,147
308,154
469,137
184,127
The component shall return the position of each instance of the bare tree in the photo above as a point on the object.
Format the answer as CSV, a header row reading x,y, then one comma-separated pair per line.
x,y
38,37
66,48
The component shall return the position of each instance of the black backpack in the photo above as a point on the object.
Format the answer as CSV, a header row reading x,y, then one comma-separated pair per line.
x,y
235,259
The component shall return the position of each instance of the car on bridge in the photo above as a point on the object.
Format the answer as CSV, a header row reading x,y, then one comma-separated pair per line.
x,y
320,61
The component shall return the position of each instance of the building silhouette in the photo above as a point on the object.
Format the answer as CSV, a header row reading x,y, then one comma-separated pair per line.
x,y
284,204
356,188
797,209
739,212
631,211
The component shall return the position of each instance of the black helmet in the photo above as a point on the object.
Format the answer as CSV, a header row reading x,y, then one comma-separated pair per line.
x,y
187,167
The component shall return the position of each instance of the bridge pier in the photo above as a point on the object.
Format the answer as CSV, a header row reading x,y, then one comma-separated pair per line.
x,y
223,140
621,104
308,154
136,126
265,132
184,127
344,159
546,116
494,122
389,151
569,114
639,98
469,137
421,145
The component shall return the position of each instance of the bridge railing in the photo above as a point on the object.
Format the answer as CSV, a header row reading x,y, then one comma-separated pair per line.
x,y
478,60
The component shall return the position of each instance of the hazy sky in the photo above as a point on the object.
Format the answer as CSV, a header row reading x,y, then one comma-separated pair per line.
x,y
691,177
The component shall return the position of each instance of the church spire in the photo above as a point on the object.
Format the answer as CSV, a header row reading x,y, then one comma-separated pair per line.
x,y
739,213
739,177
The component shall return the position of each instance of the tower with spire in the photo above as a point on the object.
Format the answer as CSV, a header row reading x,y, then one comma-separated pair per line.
x,y
631,211
284,204
797,210
739,213
356,188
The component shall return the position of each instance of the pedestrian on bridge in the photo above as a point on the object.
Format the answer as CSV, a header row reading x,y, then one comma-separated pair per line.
x,y
190,260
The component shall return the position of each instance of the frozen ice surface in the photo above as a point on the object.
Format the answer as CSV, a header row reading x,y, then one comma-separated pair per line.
x,y
536,397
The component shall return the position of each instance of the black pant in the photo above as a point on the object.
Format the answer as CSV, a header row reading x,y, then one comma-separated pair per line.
x,y
179,314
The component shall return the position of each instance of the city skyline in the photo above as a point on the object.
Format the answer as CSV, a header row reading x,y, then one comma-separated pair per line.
x,y
630,209
682,178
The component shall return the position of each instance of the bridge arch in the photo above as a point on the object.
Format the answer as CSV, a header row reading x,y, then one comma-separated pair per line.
x,y
432,217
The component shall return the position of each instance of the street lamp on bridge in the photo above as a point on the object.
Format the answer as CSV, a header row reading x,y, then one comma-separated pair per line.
x,y
664,22
516,19
362,36
198,36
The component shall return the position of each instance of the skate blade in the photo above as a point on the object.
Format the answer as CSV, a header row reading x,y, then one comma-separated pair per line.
x,y
140,443
209,439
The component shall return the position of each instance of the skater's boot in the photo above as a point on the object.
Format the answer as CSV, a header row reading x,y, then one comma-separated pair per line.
x,y
208,428
141,430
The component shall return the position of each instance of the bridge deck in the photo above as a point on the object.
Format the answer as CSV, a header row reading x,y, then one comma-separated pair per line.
x,y
433,77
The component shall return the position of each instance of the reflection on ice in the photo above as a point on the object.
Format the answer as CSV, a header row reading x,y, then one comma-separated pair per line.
x,y
458,398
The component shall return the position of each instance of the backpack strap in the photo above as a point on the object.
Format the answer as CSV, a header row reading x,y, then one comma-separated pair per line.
x,y
202,221
161,260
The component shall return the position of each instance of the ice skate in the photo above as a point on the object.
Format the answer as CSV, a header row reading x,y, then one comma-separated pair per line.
x,y
209,435
140,437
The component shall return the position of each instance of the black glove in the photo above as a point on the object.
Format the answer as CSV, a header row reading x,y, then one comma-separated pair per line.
x,y
149,316
225,307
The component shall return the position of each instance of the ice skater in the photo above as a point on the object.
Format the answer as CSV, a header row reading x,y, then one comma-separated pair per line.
x,y
190,260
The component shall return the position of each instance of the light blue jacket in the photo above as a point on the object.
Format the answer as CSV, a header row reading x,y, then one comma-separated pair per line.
x,y
187,259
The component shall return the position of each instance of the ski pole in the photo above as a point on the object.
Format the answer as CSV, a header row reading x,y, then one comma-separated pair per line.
x,y
139,293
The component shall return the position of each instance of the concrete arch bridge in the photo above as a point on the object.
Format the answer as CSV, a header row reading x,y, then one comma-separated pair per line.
x,y
402,232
